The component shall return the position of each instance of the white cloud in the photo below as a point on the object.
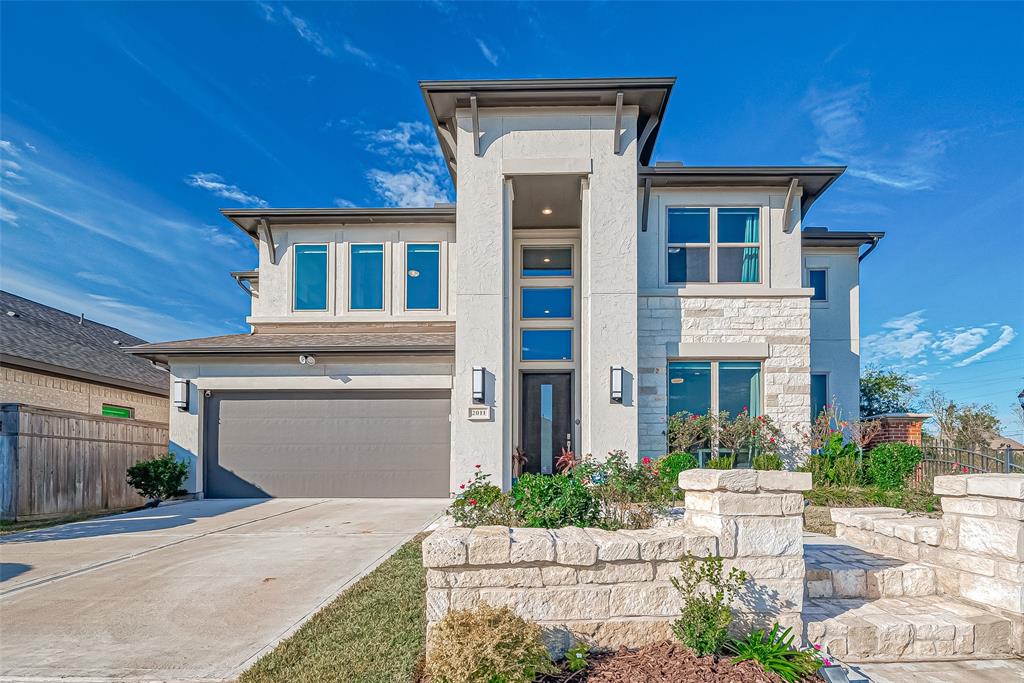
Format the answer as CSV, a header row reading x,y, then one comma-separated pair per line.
x,y
30,147
417,186
960,341
98,278
306,31
902,339
838,118
215,184
407,137
7,147
8,216
359,53
217,237
1006,336
487,52
302,27
344,203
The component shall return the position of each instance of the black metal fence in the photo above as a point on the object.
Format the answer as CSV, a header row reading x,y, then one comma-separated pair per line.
x,y
942,459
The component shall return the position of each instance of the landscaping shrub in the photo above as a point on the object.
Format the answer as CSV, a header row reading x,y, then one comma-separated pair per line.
x,y
629,495
479,502
668,469
707,614
722,462
891,464
554,501
768,461
775,652
160,478
687,431
487,645
911,498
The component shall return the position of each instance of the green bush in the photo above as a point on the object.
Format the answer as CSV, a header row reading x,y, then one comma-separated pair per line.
x,y
160,478
554,501
768,461
672,464
707,603
722,462
487,645
479,502
775,652
891,464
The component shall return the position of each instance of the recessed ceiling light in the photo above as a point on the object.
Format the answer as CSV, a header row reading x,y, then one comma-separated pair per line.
x,y
547,311
414,273
547,212
547,260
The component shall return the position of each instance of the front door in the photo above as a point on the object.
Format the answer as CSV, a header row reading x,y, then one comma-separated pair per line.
x,y
546,419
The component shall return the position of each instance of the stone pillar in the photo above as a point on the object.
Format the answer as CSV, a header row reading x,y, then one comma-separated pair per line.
x,y
981,551
758,519
902,427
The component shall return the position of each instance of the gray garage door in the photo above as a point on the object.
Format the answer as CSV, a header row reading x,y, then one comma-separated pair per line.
x,y
333,444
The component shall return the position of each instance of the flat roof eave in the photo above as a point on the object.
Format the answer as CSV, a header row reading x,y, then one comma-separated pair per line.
x,y
248,219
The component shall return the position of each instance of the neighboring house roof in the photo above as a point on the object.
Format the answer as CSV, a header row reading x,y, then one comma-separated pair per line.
x,y
372,341
823,237
999,442
39,337
650,95
814,180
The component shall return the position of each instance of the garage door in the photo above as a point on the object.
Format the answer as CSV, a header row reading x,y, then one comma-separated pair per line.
x,y
331,444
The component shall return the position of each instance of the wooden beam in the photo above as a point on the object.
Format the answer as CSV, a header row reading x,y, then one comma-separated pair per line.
x,y
270,240
789,206
648,129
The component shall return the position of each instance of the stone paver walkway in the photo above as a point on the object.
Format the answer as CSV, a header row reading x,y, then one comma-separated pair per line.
x,y
977,671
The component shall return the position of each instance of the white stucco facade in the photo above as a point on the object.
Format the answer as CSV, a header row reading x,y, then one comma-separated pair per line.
x,y
505,152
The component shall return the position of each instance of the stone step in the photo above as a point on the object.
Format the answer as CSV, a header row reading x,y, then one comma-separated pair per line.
x,y
844,571
905,629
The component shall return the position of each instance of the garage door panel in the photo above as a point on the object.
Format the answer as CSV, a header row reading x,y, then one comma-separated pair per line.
x,y
363,444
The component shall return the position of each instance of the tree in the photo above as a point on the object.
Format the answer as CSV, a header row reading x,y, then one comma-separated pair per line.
x,y
885,391
968,425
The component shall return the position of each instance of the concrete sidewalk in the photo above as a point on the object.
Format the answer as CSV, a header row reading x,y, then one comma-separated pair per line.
x,y
188,592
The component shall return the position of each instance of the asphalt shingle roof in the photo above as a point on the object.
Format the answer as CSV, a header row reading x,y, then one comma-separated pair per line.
x,y
44,335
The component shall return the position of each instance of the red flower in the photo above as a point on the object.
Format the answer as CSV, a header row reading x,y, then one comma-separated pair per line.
x,y
964,469
771,440
462,486
693,417
472,501
745,409
476,466
646,460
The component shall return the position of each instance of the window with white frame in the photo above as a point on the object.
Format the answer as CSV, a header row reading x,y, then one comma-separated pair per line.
x,y
310,277
713,245
366,277
423,277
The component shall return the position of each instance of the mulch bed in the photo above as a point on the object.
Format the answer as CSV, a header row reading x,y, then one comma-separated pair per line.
x,y
663,663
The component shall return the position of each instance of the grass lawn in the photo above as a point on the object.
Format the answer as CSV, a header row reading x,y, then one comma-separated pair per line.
x,y
372,633
8,527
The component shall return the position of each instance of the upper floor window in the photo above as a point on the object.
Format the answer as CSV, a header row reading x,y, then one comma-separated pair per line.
x,y
546,302
714,245
817,279
310,277
547,262
366,277
422,277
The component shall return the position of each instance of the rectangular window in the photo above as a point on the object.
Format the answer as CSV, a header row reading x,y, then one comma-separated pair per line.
x,y
698,387
547,262
310,277
819,393
817,279
117,411
714,245
366,277
546,302
546,345
422,277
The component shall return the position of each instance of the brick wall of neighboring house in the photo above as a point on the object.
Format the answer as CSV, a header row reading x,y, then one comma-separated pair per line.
x,y
65,393
903,427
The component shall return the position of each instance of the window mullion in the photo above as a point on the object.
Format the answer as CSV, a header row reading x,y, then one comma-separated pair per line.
x,y
713,247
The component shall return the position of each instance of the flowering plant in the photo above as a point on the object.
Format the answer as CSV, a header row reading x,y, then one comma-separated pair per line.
x,y
479,502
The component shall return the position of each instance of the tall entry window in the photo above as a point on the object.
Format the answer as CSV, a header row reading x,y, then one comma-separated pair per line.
x,y
366,277
699,387
423,277
310,287
711,245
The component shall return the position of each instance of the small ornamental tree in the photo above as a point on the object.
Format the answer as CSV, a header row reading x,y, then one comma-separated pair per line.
x,y
158,479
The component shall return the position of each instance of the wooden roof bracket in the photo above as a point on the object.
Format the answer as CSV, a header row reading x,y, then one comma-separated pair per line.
x,y
265,224
476,124
617,138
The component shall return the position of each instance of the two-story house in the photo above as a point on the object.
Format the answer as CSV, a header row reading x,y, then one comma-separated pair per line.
x,y
574,296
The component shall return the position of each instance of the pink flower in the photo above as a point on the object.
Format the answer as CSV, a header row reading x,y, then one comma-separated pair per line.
x,y
476,466
646,460
964,469
462,486
771,440
745,409
826,661
817,646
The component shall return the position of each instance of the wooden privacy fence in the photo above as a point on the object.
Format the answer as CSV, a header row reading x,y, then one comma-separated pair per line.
x,y
58,462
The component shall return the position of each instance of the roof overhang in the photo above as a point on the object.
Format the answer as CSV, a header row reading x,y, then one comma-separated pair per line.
x,y
249,220
821,237
813,180
444,98
7,360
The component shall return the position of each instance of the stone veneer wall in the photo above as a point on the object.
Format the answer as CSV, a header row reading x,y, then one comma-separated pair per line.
x,y
976,549
781,322
613,588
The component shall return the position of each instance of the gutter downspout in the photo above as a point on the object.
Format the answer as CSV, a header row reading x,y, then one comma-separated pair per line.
x,y
646,204
874,243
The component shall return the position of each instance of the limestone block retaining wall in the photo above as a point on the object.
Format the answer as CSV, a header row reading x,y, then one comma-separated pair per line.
x,y
613,588
976,549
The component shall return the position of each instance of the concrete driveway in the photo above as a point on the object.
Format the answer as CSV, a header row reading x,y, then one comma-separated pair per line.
x,y
187,592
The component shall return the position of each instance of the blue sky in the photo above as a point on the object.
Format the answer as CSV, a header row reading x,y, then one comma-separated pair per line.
x,y
126,126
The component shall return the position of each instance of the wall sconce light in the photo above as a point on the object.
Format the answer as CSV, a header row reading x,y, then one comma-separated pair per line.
x,y
478,384
181,394
616,383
